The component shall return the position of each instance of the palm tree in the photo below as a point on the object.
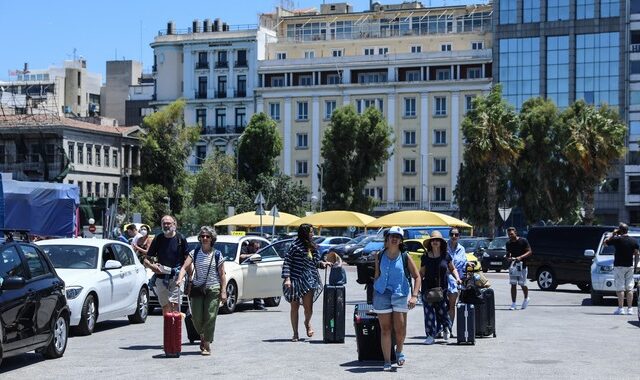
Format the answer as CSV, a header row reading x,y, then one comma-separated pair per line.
x,y
491,134
595,142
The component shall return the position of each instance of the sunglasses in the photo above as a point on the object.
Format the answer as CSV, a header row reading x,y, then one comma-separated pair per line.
x,y
454,234
206,236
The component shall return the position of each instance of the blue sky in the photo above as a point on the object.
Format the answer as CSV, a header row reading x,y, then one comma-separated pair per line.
x,y
45,33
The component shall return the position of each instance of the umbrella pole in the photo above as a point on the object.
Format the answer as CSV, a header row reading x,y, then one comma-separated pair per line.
x,y
273,228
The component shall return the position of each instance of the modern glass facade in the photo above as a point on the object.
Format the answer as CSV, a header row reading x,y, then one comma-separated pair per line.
x,y
508,12
531,10
557,10
558,70
520,69
585,9
610,8
597,67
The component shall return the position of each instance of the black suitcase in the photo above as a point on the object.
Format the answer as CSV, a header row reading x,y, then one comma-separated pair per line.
x,y
333,314
466,323
486,314
367,330
192,334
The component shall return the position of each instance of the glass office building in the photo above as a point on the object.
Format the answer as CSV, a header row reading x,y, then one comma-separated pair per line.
x,y
566,50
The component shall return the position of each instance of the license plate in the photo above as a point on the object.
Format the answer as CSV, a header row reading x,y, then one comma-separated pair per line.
x,y
496,263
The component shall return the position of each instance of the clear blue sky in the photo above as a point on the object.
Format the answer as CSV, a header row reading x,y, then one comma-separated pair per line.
x,y
45,33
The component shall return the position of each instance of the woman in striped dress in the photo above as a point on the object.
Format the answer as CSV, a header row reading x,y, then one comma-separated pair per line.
x,y
302,284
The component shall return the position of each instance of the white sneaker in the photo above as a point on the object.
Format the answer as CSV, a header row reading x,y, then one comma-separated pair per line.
x,y
513,306
445,334
429,340
629,311
619,311
525,303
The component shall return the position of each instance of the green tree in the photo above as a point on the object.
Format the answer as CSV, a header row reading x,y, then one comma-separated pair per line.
x,y
258,149
541,173
165,147
148,200
203,214
491,133
282,191
354,149
595,142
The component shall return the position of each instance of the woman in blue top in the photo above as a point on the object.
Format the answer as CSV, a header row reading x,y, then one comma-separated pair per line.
x,y
391,289
459,257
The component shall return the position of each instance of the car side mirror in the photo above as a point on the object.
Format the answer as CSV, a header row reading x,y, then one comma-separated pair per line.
x,y
421,250
255,258
12,283
112,264
589,253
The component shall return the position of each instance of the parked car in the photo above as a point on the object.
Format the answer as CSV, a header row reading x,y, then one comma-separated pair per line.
x,y
494,257
33,308
104,280
416,249
602,275
341,249
475,245
353,252
281,247
558,255
327,242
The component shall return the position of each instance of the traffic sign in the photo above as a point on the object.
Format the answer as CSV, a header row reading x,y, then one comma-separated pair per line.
x,y
274,212
92,228
504,212
259,199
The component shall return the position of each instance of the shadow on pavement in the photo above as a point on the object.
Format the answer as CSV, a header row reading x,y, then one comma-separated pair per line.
x,y
357,366
20,361
282,340
635,323
142,347
106,325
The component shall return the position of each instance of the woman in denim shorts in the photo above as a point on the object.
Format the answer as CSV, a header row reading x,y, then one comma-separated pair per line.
x,y
391,288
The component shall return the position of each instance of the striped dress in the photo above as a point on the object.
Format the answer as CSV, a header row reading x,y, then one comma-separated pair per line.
x,y
301,266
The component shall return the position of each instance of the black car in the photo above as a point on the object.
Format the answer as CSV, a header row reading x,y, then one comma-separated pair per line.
x,y
341,249
33,307
353,252
475,245
494,257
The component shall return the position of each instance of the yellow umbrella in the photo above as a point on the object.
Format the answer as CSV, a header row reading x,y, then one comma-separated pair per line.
x,y
417,218
250,219
335,219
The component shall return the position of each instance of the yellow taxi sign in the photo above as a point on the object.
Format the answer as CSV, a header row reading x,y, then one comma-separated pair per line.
x,y
238,233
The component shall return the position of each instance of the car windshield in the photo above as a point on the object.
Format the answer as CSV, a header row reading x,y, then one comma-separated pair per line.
x,y
357,239
319,239
367,240
499,243
468,244
229,250
72,256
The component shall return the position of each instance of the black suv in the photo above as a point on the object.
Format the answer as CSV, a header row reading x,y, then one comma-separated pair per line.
x,y
33,306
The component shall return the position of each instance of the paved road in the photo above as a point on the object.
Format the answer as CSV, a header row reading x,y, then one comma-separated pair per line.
x,y
559,336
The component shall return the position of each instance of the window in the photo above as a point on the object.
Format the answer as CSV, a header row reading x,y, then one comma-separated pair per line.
x,y
221,117
610,185
70,152
201,154
274,111
336,52
306,80
372,77
519,69
531,11
409,107
585,9
301,168
474,73
369,51
440,165
241,88
440,106
115,158
106,190
370,192
202,60
37,266
97,188
416,49
309,54
302,140
201,117
478,45
241,117
303,111
468,102
79,81
81,188
558,70
277,82
383,51
439,194
11,263
634,127
439,137
443,74
281,56
79,100
98,155
634,185
409,166
445,47
363,104
35,153
222,58
106,156
81,154
413,76
557,10
333,79
610,8
329,107
634,67
409,194
222,87
242,58
202,88
597,68
115,189
508,12
89,154
409,138
89,188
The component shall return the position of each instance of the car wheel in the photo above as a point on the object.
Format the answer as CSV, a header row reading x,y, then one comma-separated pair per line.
x,y
485,270
546,279
272,301
584,287
596,299
59,340
142,307
89,316
232,298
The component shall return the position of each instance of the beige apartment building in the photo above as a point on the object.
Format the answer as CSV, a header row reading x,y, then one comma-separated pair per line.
x,y
420,66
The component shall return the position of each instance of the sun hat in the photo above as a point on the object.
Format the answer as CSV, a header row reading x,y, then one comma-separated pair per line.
x,y
435,235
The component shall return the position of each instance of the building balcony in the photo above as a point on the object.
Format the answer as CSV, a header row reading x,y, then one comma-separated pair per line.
x,y
202,65
225,130
200,95
243,63
445,207
240,93
222,65
220,94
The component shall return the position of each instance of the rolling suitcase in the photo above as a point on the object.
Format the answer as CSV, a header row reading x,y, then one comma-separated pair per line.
x,y
333,314
192,333
486,314
466,323
367,330
172,334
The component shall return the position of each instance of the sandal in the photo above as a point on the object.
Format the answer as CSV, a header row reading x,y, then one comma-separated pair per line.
x,y
295,338
386,367
401,358
309,330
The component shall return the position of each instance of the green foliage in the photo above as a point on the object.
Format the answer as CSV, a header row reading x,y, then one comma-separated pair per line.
x,y
284,192
258,149
204,214
354,148
165,148
148,200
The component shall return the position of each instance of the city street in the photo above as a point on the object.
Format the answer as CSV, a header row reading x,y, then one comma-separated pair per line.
x,y
560,335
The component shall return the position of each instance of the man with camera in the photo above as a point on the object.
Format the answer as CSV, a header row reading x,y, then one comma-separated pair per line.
x,y
625,259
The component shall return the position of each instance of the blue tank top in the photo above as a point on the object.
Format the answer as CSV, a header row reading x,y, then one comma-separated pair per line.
x,y
392,276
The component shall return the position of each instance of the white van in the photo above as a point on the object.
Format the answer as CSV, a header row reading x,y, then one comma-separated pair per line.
x,y
602,276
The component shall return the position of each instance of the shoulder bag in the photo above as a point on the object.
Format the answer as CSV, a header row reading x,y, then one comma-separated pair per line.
x,y
436,294
201,290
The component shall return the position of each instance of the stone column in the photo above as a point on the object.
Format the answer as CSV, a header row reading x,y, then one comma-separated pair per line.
x,y
286,153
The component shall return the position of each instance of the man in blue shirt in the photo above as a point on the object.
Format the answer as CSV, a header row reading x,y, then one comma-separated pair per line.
x,y
459,259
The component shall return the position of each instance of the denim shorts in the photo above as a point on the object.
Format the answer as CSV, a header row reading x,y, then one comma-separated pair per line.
x,y
386,303
452,285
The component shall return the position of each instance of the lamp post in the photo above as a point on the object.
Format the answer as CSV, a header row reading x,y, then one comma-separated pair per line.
x,y
168,199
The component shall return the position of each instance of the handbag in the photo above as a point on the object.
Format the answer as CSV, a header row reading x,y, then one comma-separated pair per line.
x,y
200,290
436,294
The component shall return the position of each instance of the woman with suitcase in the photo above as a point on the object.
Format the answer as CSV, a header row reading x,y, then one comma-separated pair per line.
x,y
435,301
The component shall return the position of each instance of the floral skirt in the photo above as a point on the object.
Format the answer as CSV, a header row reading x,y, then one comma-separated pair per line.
x,y
310,281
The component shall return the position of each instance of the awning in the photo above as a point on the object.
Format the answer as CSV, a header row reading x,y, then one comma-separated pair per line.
x,y
417,218
250,219
335,219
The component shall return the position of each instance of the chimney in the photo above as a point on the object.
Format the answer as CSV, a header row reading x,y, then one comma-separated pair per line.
x,y
170,28
206,25
196,26
225,27
217,25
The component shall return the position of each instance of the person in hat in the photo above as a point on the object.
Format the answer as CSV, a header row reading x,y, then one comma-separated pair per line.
x,y
434,266
393,294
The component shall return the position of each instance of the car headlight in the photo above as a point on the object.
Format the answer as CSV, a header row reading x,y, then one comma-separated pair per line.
x,y
485,255
605,268
358,250
73,292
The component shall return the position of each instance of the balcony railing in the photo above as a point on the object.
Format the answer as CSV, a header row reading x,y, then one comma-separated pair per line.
x,y
222,64
635,48
240,93
201,95
202,65
227,130
440,206
220,94
241,63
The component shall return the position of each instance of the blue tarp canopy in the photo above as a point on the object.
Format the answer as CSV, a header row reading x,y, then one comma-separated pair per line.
x,y
45,209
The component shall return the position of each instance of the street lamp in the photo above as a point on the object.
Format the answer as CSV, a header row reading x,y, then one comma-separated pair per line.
x,y
168,199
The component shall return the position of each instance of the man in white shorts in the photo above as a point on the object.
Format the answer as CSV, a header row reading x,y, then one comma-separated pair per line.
x,y
518,250
625,260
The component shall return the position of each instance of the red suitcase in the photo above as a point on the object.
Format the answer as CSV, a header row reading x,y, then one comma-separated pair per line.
x,y
173,334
